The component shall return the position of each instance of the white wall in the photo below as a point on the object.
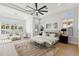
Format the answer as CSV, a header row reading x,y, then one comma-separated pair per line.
x,y
74,40
78,26
29,25
59,17
15,15
52,20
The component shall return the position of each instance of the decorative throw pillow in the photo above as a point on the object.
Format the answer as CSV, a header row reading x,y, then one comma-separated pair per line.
x,y
52,35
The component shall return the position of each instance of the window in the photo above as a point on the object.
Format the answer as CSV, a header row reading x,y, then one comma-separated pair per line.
x,y
7,26
2,26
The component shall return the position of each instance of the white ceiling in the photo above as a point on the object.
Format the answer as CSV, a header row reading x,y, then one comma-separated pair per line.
x,y
52,7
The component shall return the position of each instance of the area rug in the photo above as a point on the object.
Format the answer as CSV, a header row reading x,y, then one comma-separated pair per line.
x,y
28,49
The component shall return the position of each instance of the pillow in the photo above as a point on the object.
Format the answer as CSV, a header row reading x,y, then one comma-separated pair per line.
x,y
52,35
44,34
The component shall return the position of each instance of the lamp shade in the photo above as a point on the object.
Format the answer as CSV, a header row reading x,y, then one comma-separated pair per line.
x,y
63,29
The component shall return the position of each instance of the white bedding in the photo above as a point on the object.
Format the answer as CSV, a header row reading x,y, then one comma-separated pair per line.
x,y
48,39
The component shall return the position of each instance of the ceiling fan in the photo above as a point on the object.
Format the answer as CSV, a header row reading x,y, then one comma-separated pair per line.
x,y
37,10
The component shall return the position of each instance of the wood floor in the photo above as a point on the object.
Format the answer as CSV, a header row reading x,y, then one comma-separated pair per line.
x,y
67,50
28,49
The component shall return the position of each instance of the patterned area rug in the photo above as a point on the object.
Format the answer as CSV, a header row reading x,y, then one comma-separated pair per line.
x,y
28,49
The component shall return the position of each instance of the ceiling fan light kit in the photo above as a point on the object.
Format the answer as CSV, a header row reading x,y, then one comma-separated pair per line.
x,y
37,10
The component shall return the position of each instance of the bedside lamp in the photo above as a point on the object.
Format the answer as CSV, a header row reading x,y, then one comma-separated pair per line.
x,y
64,30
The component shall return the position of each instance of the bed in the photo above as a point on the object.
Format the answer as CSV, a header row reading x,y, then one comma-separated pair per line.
x,y
46,41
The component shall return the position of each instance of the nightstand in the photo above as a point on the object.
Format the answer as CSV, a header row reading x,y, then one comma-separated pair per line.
x,y
63,39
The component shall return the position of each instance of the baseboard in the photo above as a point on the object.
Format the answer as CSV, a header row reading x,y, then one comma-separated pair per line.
x,y
72,42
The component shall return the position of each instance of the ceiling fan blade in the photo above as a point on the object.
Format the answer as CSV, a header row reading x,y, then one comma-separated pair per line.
x,y
30,7
32,13
43,11
42,7
29,10
36,6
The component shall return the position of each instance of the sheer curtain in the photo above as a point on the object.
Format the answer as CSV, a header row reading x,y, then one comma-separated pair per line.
x,y
29,27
